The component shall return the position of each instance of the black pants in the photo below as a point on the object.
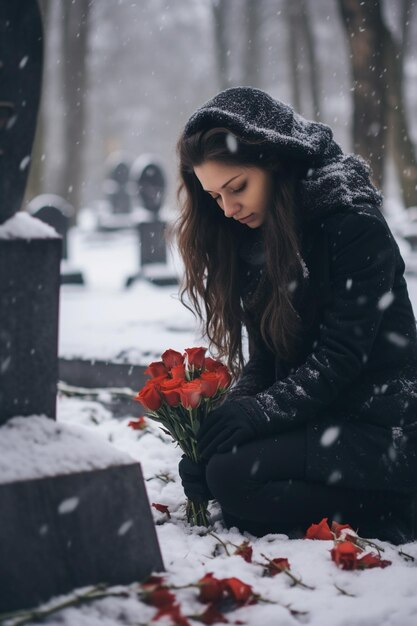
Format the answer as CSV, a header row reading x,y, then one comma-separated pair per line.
x,y
262,488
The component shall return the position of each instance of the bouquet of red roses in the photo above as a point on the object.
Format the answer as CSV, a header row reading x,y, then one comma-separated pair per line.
x,y
182,390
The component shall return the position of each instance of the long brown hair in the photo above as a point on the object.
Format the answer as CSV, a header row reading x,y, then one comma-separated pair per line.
x,y
208,244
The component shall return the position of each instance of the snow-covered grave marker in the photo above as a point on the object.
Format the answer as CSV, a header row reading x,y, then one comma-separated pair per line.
x,y
74,511
148,176
58,213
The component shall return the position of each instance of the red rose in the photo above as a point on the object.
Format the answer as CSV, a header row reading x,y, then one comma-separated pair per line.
x,y
174,612
337,528
195,357
162,508
276,566
209,384
178,372
139,424
149,396
190,394
210,365
344,554
239,591
371,560
224,376
157,368
160,598
211,588
245,550
171,358
170,390
212,615
319,531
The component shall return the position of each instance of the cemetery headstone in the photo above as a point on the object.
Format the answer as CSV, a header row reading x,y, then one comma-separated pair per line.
x,y
149,179
69,545
117,183
58,213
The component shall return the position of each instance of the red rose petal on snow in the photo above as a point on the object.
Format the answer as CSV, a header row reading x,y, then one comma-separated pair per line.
x,y
211,588
338,528
212,616
245,550
160,598
238,590
174,612
163,508
276,566
370,560
344,554
319,531
139,424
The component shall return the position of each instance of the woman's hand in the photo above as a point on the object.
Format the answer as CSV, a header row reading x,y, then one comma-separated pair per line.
x,y
193,478
231,424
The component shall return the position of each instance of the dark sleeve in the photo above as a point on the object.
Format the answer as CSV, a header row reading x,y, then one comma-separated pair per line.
x,y
362,268
257,375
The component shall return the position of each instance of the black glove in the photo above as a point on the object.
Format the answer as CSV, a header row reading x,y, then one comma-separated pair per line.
x,y
231,424
193,478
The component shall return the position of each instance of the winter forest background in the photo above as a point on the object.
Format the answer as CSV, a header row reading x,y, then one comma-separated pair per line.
x,y
124,75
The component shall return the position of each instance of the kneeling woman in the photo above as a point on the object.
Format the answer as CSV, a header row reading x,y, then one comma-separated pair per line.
x,y
283,240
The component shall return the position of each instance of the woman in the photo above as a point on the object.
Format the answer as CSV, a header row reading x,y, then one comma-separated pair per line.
x,y
282,236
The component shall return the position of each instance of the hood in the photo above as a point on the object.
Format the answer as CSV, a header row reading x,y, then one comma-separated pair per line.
x,y
331,180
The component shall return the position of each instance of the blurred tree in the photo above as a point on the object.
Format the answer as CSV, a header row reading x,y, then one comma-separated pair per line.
x,y
380,126
75,30
35,184
251,68
302,54
220,14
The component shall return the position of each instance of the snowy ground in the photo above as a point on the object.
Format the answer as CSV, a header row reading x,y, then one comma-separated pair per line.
x,y
103,320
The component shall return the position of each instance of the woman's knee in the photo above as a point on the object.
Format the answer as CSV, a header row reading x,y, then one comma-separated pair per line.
x,y
224,477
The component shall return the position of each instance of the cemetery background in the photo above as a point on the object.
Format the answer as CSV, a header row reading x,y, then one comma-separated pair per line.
x,y
104,321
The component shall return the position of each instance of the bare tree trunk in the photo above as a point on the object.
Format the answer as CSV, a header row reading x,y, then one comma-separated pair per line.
x,y
220,41
35,185
311,56
400,144
294,41
365,32
75,43
380,126
302,57
252,49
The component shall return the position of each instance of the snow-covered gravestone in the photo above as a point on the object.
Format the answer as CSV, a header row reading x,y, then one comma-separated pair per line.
x,y
73,511
149,179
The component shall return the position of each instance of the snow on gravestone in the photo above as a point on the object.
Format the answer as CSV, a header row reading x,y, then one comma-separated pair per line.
x,y
74,512
91,523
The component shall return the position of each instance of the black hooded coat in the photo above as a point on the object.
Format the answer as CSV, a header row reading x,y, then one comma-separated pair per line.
x,y
353,383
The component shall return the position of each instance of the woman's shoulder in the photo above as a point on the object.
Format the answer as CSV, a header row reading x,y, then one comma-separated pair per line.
x,y
357,223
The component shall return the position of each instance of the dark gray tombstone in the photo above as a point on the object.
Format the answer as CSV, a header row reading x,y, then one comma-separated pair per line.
x,y
117,183
86,545
148,176
149,179
58,213
74,530
29,268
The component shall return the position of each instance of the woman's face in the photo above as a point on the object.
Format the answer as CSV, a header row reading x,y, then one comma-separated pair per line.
x,y
242,192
